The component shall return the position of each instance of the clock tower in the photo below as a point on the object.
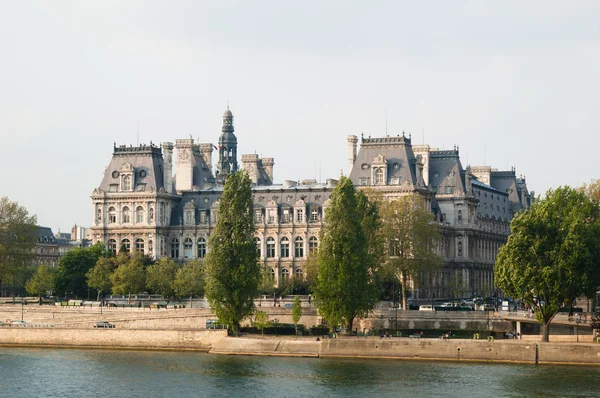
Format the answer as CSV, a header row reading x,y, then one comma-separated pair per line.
x,y
227,149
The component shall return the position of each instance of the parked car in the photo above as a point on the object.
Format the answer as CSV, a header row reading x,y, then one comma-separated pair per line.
x,y
18,322
487,307
287,305
104,325
427,307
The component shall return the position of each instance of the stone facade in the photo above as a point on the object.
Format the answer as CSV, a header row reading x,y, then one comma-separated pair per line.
x,y
141,206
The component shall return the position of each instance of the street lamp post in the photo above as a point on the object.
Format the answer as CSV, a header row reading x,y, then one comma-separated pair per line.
x,y
275,321
21,308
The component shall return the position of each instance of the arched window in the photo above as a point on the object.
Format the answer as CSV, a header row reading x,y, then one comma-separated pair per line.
x,y
258,243
127,183
201,248
126,216
187,248
379,175
299,247
139,214
151,215
285,274
285,247
175,248
313,244
112,215
126,245
112,246
139,245
299,273
270,247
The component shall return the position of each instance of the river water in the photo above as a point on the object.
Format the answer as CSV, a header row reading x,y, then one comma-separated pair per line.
x,y
31,372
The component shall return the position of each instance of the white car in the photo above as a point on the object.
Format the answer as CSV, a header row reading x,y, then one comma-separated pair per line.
x,y
18,322
426,308
487,307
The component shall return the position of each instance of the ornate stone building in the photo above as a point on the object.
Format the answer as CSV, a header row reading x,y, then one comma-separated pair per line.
x,y
141,205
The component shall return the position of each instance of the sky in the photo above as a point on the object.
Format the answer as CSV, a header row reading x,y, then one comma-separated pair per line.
x,y
512,83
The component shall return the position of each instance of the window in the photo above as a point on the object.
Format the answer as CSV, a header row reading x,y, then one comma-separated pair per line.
x,y
285,247
258,216
126,216
314,214
448,189
189,217
285,274
313,245
299,248
270,247
139,214
257,242
127,183
175,248
287,215
363,181
202,217
113,188
112,246
126,245
379,176
300,215
299,273
112,215
151,215
201,248
271,216
272,273
187,248
139,245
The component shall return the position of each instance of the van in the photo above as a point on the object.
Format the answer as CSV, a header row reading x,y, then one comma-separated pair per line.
x,y
426,308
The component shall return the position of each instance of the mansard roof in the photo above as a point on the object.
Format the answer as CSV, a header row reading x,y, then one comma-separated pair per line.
x,y
147,164
445,170
395,151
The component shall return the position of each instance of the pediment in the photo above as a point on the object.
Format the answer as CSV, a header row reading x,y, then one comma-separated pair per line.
x,y
126,167
300,203
271,203
379,159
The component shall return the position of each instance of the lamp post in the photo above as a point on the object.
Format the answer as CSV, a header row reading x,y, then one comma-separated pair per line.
x,y
275,321
21,308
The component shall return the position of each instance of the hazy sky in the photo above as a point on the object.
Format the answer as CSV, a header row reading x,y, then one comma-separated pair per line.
x,y
513,83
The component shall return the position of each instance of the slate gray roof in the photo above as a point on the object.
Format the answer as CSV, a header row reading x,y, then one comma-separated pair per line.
x,y
147,158
400,159
445,170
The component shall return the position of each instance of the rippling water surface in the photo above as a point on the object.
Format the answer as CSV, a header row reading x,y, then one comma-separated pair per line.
x,y
29,372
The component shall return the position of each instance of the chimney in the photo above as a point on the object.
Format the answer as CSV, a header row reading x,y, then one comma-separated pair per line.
x,y
206,151
268,167
185,164
250,164
168,166
352,141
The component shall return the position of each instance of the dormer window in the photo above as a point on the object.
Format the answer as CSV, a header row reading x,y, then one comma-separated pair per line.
x,y
299,215
127,182
379,176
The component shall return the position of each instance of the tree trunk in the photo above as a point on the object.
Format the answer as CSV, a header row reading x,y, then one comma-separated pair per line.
x,y
404,290
190,301
546,332
349,326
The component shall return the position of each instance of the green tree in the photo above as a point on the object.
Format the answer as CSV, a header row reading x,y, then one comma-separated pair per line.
x,y
160,277
41,282
189,280
17,239
73,267
129,277
296,311
345,287
267,282
411,235
552,253
261,321
592,191
232,271
98,277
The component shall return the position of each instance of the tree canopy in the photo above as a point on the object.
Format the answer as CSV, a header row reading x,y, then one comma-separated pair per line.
x,y
345,287
41,282
17,238
189,280
160,277
129,277
411,235
232,271
552,253
73,267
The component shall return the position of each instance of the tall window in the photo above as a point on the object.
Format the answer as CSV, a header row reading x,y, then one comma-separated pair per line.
x,y
139,245
299,215
126,245
299,248
112,246
139,214
285,247
379,175
314,214
112,215
175,248
201,248
271,219
285,274
258,216
187,248
299,273
257,242
270,247
189,217
287,215
203,217
127,183
313,244
126,215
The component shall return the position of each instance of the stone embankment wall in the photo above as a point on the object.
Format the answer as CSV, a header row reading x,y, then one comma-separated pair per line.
x,y
201,340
